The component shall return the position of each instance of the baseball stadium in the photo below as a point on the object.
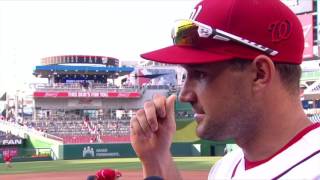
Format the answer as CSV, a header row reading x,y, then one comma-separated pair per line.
x,y
77,120
81,115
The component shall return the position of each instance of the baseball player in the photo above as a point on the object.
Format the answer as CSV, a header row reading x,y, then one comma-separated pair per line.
x,y
106,174
242,59
7,158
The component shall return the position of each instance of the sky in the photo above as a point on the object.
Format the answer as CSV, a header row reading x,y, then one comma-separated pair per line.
x,y
31,30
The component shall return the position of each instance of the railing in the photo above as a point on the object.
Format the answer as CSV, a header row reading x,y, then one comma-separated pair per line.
x,y
23,131
313,88
98,86
77,87
315,118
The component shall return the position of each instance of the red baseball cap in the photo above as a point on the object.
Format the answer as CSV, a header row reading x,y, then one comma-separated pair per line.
x,y
108,174
263,26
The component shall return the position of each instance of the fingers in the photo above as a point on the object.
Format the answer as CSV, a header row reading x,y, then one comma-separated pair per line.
x,y
151,115
170,111
139,124
135,127
160,105
152,110
146,121
164,106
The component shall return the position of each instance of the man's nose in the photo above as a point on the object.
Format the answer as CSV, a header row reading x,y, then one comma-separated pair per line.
x,y
187,93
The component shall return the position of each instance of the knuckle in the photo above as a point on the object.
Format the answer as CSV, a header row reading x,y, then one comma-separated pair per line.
x,y
157,95
150,110
148,104
159,101
152,124
135,127
140,113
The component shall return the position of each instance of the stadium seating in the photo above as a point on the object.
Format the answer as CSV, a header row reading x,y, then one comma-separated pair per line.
x,y
88,139
316,89
73,129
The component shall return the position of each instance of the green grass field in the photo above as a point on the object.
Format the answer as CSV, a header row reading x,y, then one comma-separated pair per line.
x,y
183,163
186,132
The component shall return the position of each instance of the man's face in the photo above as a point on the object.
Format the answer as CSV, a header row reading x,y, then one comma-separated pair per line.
x,y
221,99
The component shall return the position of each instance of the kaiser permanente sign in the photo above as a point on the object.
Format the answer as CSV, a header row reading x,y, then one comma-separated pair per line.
x,y
11,141
91,151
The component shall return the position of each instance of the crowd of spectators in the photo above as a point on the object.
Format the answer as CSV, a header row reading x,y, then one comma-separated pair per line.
x,y
75,125
72,124
184,115
6,135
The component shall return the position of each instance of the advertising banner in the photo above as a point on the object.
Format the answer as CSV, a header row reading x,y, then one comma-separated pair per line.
x,y
11,141
92,151
307,24
299,6
13,151
43,94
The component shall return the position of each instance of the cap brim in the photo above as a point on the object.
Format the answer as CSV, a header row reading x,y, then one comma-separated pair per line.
x,y
184,55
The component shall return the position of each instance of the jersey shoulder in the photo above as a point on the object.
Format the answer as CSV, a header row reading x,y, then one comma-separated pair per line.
x,y
225,166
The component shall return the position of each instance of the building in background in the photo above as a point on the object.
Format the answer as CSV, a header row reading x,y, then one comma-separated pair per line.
x,y
308,14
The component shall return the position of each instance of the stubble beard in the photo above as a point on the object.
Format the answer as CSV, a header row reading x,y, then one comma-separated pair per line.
x,y
241,122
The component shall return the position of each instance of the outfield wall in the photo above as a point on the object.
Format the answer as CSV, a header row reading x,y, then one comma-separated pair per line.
x,y
99,151
91,151
213,148
186,143
38,141
21,154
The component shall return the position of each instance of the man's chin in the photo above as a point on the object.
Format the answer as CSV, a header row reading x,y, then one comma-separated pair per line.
x,y
211,136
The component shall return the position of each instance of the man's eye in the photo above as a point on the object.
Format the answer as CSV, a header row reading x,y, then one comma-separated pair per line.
x,y
202,75
199,75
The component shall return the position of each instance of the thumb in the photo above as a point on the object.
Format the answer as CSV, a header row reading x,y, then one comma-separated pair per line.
x,y
170,101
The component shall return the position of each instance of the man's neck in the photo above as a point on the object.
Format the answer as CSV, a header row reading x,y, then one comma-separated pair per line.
x,y
274,134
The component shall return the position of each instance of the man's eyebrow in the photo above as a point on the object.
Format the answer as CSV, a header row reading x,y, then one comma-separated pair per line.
x,y
195,66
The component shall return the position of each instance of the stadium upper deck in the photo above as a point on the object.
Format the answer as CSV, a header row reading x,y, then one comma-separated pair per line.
x,y
92,98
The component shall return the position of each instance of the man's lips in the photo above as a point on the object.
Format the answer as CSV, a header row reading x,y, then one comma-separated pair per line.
x,y
199,117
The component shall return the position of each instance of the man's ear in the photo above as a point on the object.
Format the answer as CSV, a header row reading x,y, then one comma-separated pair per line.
x,y
263,70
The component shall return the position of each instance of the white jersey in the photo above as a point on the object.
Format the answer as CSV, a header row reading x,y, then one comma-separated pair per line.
x,y
300,159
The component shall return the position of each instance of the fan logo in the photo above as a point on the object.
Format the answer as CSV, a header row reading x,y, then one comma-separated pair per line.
x,y
280,30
